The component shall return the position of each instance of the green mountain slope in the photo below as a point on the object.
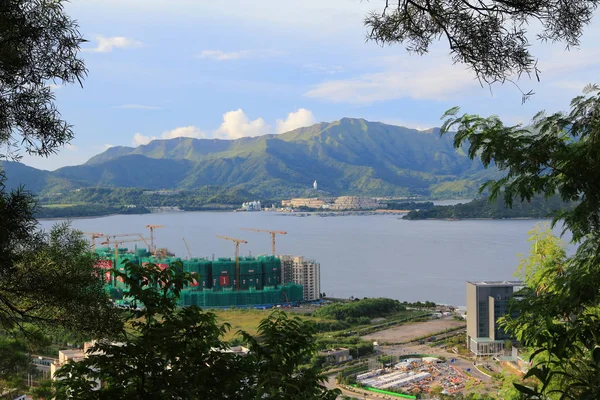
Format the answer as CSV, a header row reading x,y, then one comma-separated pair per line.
x,y
350,156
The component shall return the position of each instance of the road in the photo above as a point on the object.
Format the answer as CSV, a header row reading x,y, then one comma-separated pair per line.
x,y
331,384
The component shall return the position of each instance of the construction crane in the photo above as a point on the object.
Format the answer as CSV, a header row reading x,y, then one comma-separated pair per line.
x,y
118,243
187,247
152,228
114,237
237,258
94,236
272,233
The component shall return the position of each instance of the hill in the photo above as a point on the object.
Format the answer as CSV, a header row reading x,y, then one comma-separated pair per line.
x,y
538,207
350,156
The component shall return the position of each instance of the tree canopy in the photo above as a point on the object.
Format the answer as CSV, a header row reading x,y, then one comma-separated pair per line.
x,y
560,306
38,47
178,353
490,37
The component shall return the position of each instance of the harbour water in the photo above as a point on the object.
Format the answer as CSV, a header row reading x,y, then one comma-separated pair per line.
x,y
360,256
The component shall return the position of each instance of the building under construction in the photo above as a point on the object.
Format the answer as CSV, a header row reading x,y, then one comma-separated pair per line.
x,y
259,284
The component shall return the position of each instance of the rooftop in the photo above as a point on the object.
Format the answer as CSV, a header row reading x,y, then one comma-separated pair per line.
x,y
496,283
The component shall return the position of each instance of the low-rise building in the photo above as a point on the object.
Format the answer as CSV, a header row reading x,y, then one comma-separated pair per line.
x,y
252,206
337,355
299,270
354,203
309,202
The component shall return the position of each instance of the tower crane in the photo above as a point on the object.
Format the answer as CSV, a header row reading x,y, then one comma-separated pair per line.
x,y
272,233
152,228
118,243
237,258
187,247
94,236
116,237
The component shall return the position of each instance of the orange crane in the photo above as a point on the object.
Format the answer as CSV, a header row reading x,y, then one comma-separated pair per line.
x,y
272,233
118,243
187,247
121,235
152,228
237,258
94,235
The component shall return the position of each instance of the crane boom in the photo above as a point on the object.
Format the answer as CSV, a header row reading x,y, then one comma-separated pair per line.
x,y
187,247
94,236
237,257
272,233
118,243
152,228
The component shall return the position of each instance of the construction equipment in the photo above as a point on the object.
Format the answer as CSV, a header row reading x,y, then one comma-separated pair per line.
x,y
116,237
187,247
272,233
94,236
237,258
118,243
152,228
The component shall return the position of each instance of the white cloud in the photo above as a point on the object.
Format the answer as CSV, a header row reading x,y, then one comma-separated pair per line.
x,y
138,107
53,86
423,78
218,55
297,119
324,69
184,131
139,139
108,146
107,44
70,147
236,124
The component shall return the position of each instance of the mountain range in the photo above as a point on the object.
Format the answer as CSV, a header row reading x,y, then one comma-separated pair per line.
x,y
349,156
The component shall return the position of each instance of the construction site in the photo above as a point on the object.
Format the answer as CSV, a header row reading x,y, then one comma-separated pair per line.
x,y
221,283
416,375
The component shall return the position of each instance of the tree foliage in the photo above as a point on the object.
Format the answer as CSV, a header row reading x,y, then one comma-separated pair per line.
x,y
38,47
47,278
538,207
559,308
365,308
490,37
178,353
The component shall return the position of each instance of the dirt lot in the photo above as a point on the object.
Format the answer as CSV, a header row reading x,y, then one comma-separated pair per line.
x,y
405,333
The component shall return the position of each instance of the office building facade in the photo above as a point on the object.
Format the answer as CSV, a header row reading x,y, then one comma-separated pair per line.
x,y
486,302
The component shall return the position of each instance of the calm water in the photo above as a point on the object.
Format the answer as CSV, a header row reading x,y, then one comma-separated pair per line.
x,y
360,256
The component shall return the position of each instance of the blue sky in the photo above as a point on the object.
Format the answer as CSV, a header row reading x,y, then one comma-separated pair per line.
x,y
227,69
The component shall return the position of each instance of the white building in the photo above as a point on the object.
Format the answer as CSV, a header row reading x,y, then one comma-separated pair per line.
x,y
303,272
252,206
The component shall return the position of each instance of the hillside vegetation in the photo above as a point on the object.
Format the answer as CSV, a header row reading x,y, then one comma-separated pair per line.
x,y
350,156
539,207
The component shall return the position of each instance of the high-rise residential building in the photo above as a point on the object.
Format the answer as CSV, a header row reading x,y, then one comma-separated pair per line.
x,y
486,302
301,271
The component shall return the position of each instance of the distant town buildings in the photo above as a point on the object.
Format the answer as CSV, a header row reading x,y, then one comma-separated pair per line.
x,y
354,203
313,202
252,206
299,270
334,203
486,302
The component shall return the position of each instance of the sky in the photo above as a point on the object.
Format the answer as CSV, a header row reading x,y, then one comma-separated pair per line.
x,y
229,69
